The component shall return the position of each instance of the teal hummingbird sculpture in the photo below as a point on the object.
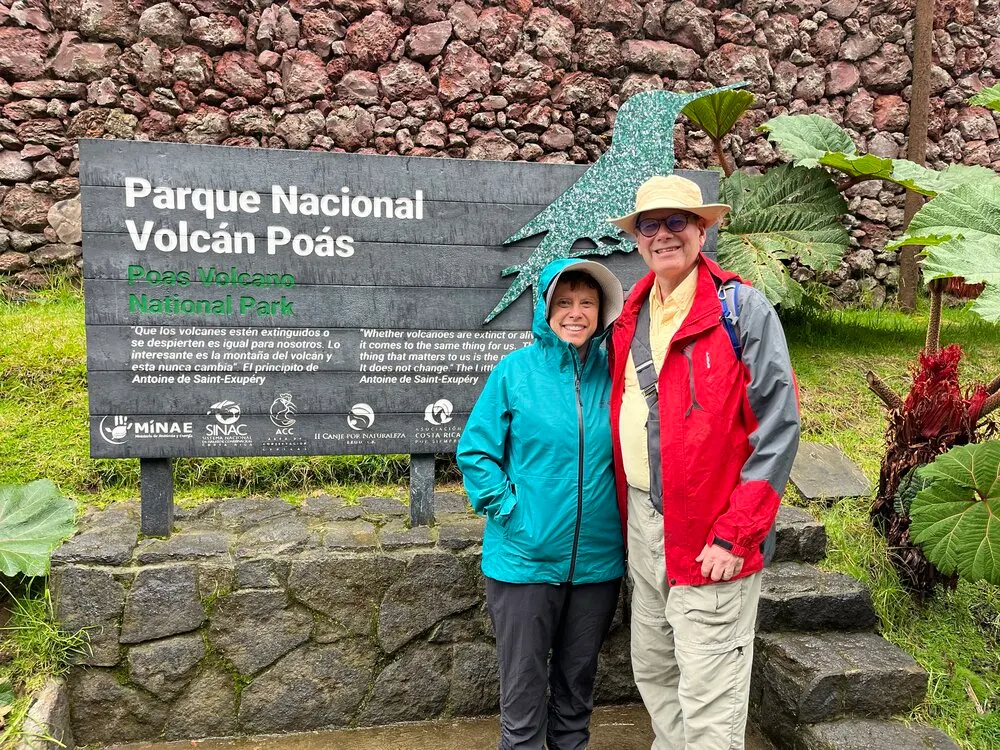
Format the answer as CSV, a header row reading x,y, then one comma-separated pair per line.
x,y
642,145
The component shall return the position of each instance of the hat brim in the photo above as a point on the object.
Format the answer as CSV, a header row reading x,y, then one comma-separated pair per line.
x,y
611,289
710,212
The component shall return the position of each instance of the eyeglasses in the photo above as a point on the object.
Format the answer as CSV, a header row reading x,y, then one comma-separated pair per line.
x,y
675,223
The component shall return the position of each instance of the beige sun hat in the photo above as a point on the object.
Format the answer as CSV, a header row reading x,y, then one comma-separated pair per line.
x,y
611,289
671,191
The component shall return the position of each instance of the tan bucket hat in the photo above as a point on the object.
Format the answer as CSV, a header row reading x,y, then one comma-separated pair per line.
x,y
671,191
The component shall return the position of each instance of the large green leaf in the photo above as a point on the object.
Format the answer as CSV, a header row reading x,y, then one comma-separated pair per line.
x,y
807,138
717,113
787,212
34,518
956,519
988,98
960,232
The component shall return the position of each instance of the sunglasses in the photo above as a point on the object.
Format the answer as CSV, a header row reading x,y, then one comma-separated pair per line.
x,y
675,223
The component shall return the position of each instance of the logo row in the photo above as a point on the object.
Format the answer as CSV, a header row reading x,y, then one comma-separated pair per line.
x,y
117,430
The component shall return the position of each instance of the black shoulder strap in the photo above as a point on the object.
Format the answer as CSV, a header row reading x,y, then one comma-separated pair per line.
x,y
645,372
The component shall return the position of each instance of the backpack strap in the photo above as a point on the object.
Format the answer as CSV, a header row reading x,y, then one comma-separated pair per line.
x,y
729,296
645,372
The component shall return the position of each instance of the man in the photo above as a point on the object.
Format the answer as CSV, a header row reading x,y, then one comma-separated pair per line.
x,y
699,489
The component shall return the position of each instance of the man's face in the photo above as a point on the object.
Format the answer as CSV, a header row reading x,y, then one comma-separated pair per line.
x,y
573,313
671,254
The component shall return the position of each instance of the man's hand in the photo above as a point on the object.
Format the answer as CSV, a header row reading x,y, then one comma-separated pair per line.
x,y
719,564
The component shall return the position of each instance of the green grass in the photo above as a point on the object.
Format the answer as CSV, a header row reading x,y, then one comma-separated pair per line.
x,y
32,649
956,636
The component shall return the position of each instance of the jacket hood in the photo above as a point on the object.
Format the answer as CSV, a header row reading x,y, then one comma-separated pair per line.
x,y
612,297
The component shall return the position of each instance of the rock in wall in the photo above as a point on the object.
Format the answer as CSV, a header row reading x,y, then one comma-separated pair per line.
x,y
521,80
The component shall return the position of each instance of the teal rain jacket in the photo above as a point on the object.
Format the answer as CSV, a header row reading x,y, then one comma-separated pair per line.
x,y
536,460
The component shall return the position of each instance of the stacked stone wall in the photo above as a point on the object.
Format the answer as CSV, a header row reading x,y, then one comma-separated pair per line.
x,y
520,80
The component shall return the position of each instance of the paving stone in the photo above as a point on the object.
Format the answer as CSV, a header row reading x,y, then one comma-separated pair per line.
x,y
190,544
803,677
824,472
869,734
162,602
47,724
798,596
253,629
459,532
351,535
344,588
92,601
397,535
800,537
164,667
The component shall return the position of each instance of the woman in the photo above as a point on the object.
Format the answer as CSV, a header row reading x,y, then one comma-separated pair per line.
x,y
536,460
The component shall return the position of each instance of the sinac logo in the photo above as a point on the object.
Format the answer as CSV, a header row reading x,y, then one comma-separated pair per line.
x,y
226,412
439,412
283,411
115,431
362,417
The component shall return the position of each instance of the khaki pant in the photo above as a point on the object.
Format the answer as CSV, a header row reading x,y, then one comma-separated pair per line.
x,y
692,646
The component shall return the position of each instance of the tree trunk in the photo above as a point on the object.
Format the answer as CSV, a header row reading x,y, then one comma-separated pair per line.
x,y
916,148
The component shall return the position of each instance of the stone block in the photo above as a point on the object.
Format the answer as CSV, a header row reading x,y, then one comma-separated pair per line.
x,y
413,688
398,535
451,502
797,596
460,532
314,687
106,538
475,680
162,601
326,507
242,514
253,629
615,683
346,589
165,667
190,544
802,677
47,724
351,535
265,573
105,712
866,734
91,600
434,586
383,506
800,537
207,708
281,536
824,472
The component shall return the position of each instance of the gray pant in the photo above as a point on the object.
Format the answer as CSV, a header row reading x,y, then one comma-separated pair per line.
x,y
531,620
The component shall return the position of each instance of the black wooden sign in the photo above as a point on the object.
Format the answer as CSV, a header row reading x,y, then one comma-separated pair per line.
x,y
266,302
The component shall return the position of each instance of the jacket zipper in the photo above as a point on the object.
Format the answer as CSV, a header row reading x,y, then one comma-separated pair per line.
x,y
579,479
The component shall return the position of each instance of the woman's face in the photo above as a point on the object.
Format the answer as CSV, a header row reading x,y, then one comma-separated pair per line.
x,y
573,313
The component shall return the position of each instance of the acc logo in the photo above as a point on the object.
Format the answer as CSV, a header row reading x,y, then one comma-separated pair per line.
x,y
283,411
439,412
362,417
226,412
115,432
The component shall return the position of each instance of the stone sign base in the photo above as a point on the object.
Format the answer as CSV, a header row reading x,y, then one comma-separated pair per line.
x,y
257,617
